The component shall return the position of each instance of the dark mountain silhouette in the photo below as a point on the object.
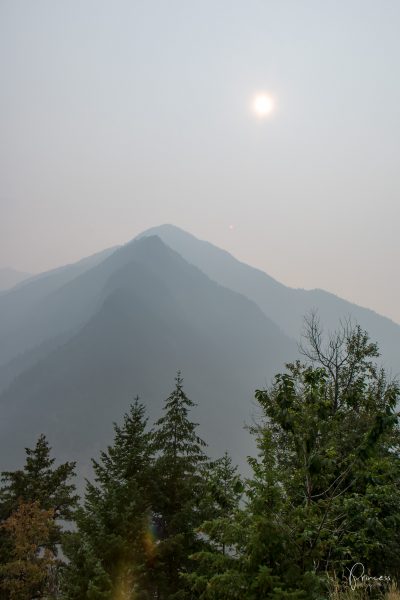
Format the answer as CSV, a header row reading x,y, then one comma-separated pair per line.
x,y
124,327
283,305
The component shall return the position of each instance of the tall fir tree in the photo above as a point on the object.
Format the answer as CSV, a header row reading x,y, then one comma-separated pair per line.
x,y
111,555
178,507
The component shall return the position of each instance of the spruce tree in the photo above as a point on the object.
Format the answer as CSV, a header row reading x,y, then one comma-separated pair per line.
x,y
111,554
178,508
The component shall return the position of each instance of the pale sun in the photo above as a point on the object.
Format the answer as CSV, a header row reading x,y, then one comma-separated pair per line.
x,y
263,105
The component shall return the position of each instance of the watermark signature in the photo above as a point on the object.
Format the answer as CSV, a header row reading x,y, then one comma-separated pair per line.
x,y
358,578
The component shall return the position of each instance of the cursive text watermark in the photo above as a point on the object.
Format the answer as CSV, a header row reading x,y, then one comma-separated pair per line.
x,y
358,578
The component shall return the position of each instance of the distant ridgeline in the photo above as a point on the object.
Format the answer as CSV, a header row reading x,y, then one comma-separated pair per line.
x,y
77,343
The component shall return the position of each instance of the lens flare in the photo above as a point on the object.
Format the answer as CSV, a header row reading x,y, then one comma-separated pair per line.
x,y
124,582
126,585
150,541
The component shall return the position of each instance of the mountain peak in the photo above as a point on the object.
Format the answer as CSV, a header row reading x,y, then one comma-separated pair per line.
x,y
166,229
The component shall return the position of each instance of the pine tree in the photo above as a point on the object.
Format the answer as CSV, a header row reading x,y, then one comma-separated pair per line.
x,y
178,509
112,553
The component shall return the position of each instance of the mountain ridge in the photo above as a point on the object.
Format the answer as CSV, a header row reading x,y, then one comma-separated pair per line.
x,y
78,343
10,277
154,314
284,305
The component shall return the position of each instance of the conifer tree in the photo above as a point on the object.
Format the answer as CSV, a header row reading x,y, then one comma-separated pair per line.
x,y
41,484
111,554
223,490
178,509
40,481
222,495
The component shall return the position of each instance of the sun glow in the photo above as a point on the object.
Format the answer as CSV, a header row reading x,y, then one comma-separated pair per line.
x,y
263,105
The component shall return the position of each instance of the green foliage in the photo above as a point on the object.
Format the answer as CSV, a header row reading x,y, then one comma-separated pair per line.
x,y
41,484
333,436
325,487
40,481
223,489
162,521
178,507
111,554
139,521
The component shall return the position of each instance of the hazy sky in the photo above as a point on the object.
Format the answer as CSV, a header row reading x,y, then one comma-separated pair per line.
x,y
117,116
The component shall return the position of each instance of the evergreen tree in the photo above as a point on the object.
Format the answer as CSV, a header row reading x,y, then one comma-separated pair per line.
x,y
42,484
40,481
111,555
178,508
223,490
222,494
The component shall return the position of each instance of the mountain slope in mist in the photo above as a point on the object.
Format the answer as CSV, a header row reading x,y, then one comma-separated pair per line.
x,y
31,313
10,277
77,343
134,320
284,305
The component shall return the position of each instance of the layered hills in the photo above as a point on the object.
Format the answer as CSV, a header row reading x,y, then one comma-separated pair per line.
x,y
124,327
78,343
286,306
